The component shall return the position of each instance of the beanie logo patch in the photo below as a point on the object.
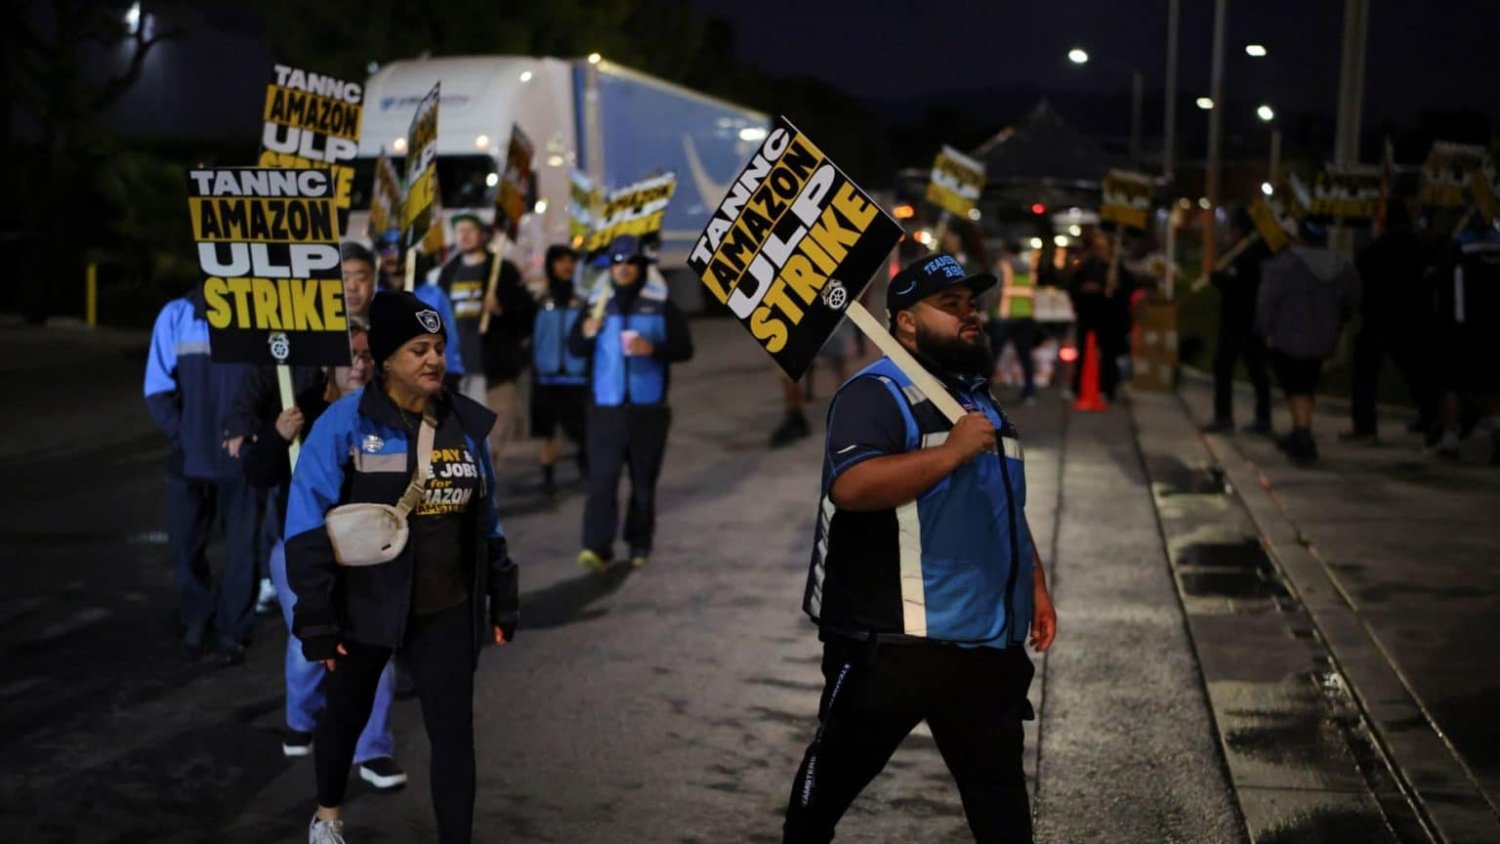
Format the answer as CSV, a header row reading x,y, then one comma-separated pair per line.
x,y
430,321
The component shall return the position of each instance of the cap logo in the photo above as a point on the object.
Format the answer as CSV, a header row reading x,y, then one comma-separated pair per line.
x,y
430,320
943,264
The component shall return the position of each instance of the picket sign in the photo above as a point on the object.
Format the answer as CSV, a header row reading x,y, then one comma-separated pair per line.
x,y
887,343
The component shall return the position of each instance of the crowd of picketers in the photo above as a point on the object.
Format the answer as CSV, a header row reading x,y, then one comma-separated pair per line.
x,y
1416,296
436,371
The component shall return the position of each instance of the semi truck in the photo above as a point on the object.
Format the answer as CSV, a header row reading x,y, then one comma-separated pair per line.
x,y
614,124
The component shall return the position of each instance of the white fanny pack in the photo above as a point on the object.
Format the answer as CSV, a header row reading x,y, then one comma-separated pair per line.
x,y
371,534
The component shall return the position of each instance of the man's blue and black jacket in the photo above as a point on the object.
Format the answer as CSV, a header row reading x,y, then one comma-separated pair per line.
x,y
188,394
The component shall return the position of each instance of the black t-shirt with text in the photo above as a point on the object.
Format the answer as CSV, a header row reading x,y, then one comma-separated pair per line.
x,y
442,546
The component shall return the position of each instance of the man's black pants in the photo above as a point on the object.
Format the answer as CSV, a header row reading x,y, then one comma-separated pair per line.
x,y
1376,341
440,651
633,437
973,700
1238,340
192,507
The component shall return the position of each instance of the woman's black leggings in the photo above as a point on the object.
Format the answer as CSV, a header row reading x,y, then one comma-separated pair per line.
x,y
440,651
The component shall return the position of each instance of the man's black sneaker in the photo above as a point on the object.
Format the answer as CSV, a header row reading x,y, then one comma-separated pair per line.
x,y
296,743
231,653
193,645
383,773
1219,426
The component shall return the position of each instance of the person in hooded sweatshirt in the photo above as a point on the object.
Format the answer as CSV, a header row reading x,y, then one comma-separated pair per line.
x,y
631,337
559,377
1307,292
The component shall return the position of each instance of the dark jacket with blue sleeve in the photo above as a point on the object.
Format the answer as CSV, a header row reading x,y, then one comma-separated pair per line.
x,y
360,451
188,394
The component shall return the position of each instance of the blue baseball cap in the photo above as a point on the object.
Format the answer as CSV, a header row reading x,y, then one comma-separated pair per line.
x,y
926,276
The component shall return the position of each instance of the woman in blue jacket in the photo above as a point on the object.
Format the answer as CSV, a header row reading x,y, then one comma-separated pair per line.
x,y
429,602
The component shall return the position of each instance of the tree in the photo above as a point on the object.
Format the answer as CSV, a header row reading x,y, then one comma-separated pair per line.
x,y
49,54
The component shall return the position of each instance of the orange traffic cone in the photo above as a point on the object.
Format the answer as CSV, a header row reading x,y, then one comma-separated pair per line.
x,y
1089,399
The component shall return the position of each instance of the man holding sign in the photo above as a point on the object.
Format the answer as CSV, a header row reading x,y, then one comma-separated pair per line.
x,y
925,581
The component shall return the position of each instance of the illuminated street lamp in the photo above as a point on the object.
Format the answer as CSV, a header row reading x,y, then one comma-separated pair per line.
x,y
1255,51
1206,103
1078,56
1265,113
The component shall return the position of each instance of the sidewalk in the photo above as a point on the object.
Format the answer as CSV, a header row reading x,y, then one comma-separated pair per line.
x,y
1379,565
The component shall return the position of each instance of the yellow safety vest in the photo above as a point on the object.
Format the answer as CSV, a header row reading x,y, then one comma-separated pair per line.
x,y
1016,296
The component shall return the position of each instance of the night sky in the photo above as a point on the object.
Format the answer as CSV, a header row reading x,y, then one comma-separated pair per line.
x,y
1435,54
900,56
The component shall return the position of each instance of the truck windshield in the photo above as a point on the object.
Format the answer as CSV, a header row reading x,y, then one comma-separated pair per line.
x,y
464,180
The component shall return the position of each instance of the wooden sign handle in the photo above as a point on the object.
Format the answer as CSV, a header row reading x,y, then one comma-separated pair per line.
x,y
494,282
1228,258
411,269
925,381
288,401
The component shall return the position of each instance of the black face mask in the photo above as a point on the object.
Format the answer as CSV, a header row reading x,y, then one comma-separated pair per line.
x,y
954,355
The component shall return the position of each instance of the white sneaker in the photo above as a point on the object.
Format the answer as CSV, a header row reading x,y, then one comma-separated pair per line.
x,y
265,601
382,772
325,832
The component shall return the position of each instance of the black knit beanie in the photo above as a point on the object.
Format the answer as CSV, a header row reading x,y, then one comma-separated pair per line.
x,y
395,318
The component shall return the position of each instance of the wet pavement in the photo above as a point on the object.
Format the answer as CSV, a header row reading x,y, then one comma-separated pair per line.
x,y
671,703
1382,563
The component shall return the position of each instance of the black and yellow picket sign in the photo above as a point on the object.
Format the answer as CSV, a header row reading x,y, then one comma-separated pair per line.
x,y
1270,225
511,201
1126,199
268,247
956,183
792,246
583,207
1348,195
313,120
1447,174
419,210
636,210
385,199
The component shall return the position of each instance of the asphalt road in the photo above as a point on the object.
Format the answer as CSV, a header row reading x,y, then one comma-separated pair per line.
x,y
668,704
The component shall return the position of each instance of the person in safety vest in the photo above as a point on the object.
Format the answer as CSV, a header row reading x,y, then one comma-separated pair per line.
x,y
631,337
559,377
925,580
1012,320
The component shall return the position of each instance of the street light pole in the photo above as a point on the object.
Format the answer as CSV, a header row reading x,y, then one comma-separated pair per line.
x,y
1137,102
1215,139
1169,130
1351,102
